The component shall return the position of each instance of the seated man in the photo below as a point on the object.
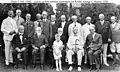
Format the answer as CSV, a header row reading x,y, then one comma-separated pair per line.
x,y
93,43
20,45
75,46
39,42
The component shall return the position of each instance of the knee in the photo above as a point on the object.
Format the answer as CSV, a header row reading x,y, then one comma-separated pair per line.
x,y
69,52
34,52
90,52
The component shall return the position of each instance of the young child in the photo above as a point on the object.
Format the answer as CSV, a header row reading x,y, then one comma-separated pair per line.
x,y
57,48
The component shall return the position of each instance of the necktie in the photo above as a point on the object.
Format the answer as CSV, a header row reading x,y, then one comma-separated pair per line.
x,y
39,25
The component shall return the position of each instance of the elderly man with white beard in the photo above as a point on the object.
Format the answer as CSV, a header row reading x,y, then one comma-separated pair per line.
x,y
75,46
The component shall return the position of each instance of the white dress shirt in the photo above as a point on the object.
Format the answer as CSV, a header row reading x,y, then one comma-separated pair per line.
x,y
63,24
113,25
21,37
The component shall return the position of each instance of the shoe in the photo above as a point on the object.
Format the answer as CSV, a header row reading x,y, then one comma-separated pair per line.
x,y
106,64
7,63
70,68
57,69
25,68
97,70
42,67
33,66
16,66
79,69
91,67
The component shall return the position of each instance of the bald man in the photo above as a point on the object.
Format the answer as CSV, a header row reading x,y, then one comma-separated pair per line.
x,y
38,22
94,43
115,38
20,47
9,29
103,27
18,17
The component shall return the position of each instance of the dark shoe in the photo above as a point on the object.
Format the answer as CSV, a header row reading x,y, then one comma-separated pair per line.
x,y
97,70
91,67
33,66
52,67
42,67
25,67
16,66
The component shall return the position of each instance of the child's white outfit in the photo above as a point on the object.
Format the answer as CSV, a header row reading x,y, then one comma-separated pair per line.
x,y
56,49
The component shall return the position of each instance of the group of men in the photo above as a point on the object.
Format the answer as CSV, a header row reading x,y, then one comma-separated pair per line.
x,y
92,39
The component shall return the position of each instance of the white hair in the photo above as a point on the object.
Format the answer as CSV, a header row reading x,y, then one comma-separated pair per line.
x,y
74,16
101,15
28,14
18,10
53,15
88,18
38,14
113,17
63,16
44,12
60,29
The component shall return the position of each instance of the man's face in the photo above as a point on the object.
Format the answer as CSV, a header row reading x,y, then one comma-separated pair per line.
x,y
53,18
11,13
92,30
63,18
18,13
28,17
113,20
88,20
74,19
44,15
101,17
60,32
58,38
38,31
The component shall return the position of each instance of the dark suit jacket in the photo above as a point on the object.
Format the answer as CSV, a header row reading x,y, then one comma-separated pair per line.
x,y
65,29
29,28
96,42
16,42
39,41
103,30
47,29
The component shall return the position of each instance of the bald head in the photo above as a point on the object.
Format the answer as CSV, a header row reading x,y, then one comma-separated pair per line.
x,y
101,17
38,16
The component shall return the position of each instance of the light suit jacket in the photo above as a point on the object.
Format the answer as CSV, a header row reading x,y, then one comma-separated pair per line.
x,y
19,21
8,25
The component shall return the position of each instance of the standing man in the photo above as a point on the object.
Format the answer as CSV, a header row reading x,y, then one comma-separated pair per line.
x,y
29,31
9,29
38,21
115,38
64,25
102,27
47,31
18,17
86,30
